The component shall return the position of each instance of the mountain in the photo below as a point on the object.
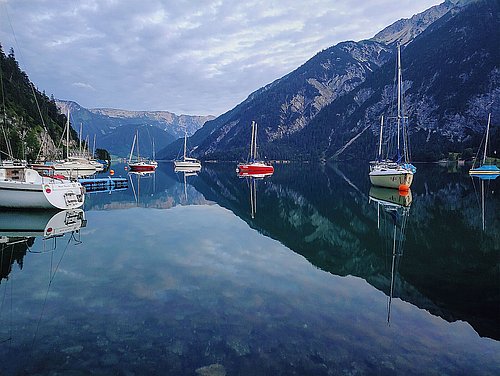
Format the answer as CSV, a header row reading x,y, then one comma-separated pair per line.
x,y
114,128
329,108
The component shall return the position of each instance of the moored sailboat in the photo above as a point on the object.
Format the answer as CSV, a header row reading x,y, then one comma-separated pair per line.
x,y
25,188
76,166
254,166
485,171
396,172
187,163
139,164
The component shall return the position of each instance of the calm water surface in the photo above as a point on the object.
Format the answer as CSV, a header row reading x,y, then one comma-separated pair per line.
x,y
308,272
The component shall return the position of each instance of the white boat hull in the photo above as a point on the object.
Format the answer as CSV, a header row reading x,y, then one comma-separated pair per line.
x,y
46,194
74,171
397,179
187,164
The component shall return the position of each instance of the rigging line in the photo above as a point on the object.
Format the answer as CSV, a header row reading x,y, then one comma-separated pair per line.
x,y
4,294
4,123
51,279
22,58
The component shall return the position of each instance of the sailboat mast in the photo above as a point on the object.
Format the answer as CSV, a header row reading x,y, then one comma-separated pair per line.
x,y
251,140
93,148
380,140
399,92
137,137
185,144
132,150
255,143
487,136
67,136
80,141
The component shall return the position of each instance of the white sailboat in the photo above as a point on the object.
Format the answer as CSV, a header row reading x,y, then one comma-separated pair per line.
x,y
187,163
485,171
398,172
73,167
25,188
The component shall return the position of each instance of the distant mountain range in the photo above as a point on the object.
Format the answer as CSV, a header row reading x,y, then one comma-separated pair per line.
x,y
115,129
329,108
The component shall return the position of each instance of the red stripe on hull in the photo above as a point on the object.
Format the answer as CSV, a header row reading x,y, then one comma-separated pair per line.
x,y
142,168
249,169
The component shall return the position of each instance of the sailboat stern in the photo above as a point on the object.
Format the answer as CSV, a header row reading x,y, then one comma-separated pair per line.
x,y
67,195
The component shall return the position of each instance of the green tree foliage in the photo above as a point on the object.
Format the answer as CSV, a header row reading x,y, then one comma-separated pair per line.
x,y
25,112
102,154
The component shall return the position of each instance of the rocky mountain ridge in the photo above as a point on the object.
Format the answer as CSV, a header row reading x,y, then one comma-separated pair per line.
x,y
114,126
329,108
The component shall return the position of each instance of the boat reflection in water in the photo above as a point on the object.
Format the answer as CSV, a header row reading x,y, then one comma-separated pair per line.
x,y
136,186
393,210
252,185
187,171
46,224
483,180
19,229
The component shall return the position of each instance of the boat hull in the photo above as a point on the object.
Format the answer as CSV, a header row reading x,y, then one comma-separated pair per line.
x,y
142,167
392,179
485,172
187,164
255,169
24,195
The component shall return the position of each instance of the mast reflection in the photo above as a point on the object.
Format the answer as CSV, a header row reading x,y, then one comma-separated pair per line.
x,y
393,210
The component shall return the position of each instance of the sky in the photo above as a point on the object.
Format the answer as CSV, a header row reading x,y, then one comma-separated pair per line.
x,y
184,56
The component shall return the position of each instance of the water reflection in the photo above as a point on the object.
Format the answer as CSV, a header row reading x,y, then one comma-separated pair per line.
x,y
162,189
34,232
186,172
323,213
393,210
20,229
197,289
482,185
252,180
135,183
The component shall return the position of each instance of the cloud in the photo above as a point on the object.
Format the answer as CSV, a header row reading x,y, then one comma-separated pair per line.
x,y
83,85
182,56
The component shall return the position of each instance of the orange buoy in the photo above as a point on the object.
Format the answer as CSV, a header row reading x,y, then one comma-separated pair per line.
x,y
404,188
111,172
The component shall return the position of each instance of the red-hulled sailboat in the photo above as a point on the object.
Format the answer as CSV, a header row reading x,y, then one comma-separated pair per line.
x,y
254,166
140,164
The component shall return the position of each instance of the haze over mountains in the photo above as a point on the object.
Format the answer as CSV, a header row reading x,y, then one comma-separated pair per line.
x,y
329,108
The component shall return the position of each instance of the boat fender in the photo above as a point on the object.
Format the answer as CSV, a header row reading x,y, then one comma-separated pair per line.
x,y
404,187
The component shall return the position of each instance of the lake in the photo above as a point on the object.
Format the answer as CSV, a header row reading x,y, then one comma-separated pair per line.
x,y
308,272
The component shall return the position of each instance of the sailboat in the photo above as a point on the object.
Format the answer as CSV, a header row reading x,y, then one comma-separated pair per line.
x,y
74,166
139,164
398,172
485,171
24,188
254,166
187,163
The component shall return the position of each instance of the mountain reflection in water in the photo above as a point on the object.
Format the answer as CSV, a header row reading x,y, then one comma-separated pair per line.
x,y
198,289
450,265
